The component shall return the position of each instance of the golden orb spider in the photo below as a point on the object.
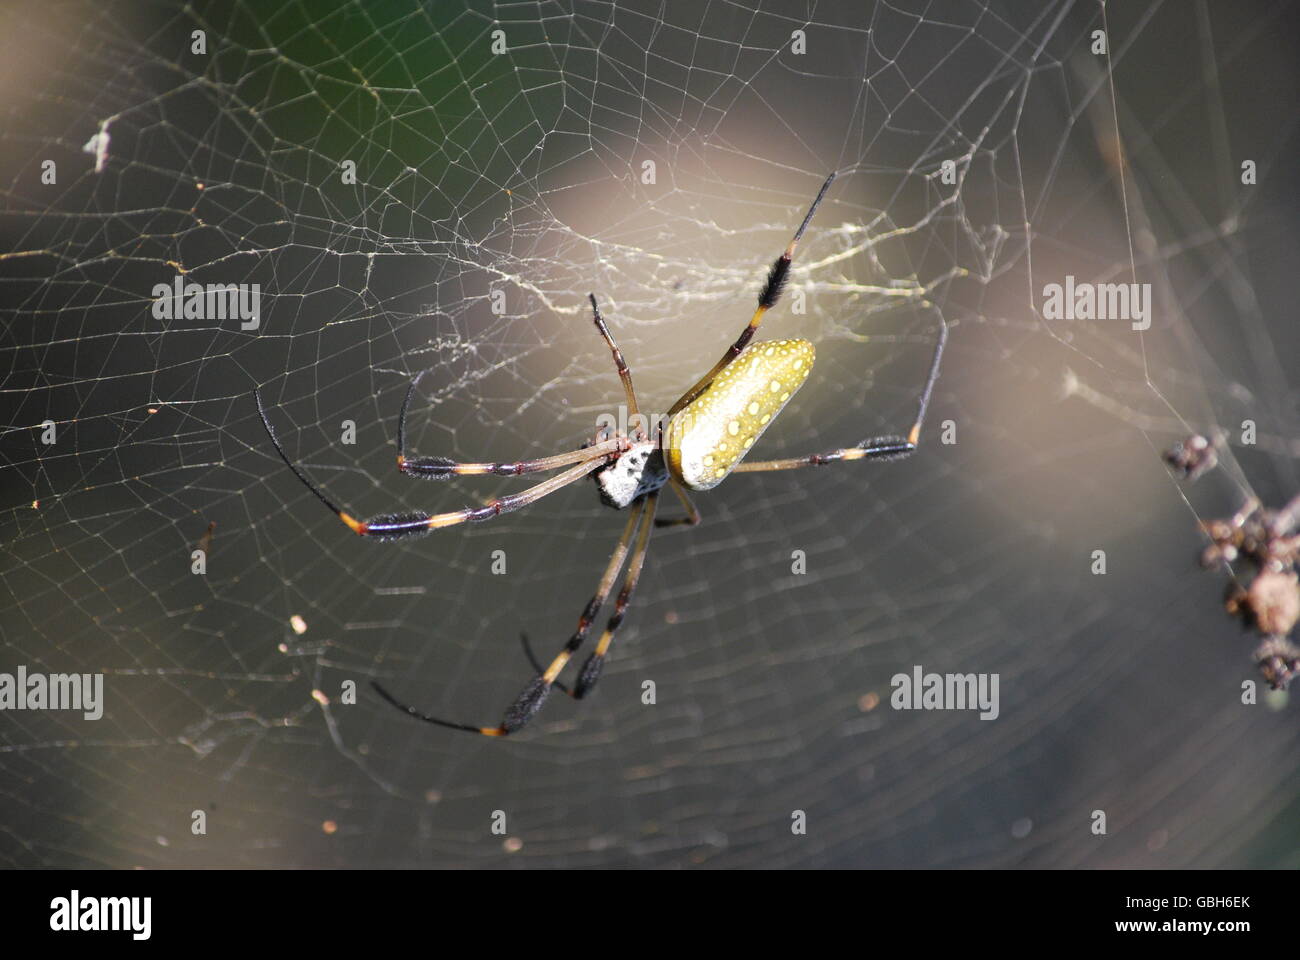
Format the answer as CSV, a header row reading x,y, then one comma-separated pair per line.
x,y
705,437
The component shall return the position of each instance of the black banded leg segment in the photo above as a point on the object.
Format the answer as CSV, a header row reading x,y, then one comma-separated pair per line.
x,y
537,664
520,712
876,448
595,664
767,299
590,612
441,468
400,525
692,517
444,468
427,719
624,373
534,695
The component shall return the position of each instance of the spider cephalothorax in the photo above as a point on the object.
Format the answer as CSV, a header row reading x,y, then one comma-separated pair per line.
x,y
705,436
639,471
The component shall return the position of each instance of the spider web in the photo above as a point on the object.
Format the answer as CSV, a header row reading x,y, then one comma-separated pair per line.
x,y
492,192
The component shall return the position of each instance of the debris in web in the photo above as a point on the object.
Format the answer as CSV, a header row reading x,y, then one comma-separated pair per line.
x,y
97,146
1265,543
1191,458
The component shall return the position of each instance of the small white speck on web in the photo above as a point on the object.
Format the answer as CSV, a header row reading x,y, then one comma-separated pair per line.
x,y
97,146
299,624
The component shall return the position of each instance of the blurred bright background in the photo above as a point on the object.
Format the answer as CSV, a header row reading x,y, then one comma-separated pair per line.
x,y
524,173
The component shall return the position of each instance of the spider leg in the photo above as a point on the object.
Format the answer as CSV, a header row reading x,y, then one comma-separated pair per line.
x,y
534,695
692,517
874,448
624,373
767,299
442,468
595,663
536,664
598,598
642,509
394,526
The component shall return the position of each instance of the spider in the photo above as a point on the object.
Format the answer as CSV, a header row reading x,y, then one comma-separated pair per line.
x,y
703,438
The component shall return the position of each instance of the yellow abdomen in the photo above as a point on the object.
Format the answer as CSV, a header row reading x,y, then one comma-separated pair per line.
x,y
712,433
